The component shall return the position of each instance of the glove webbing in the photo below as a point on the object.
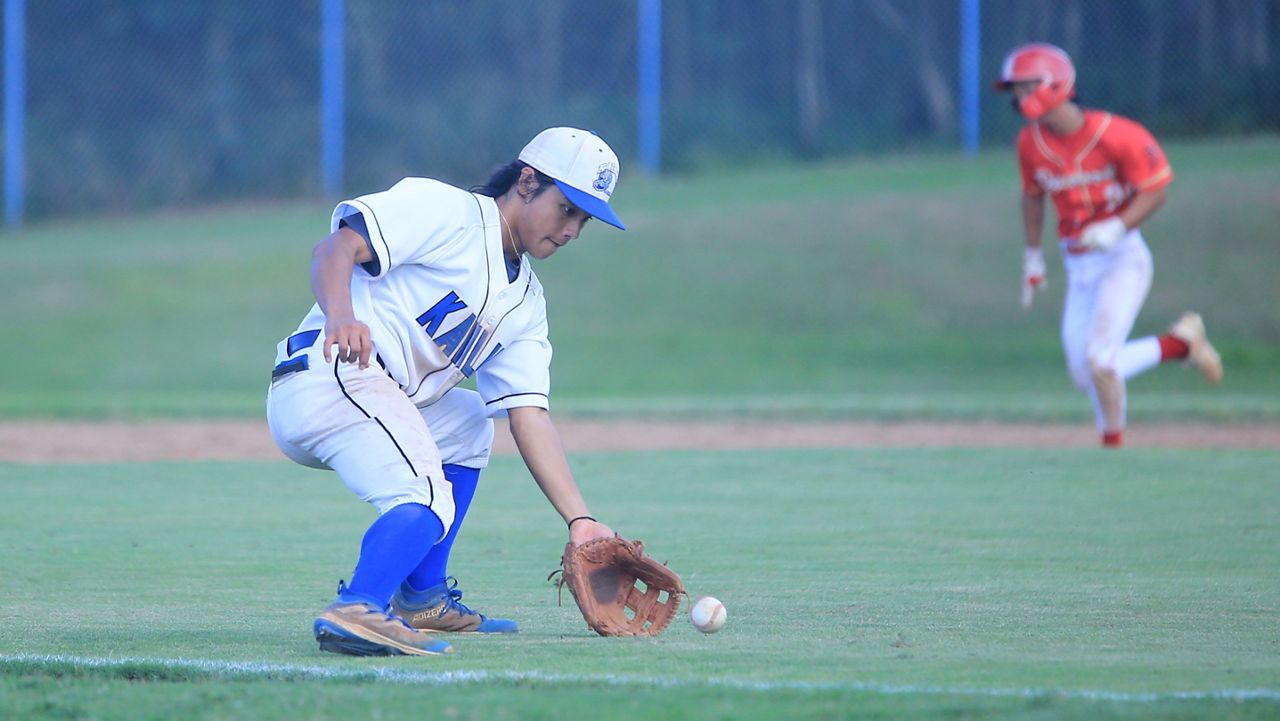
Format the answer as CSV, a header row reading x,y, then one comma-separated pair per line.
x,y
642,603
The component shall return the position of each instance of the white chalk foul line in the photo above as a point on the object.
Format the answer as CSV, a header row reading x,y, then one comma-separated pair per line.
x,y
255,670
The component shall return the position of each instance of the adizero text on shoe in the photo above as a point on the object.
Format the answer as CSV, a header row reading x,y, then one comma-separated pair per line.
x,y
360,629
442,610
1201,354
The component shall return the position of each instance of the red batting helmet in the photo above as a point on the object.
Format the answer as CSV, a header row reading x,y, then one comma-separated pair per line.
x,y
1048,64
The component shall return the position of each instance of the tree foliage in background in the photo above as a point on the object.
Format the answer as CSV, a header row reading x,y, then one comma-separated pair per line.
x,y
152,103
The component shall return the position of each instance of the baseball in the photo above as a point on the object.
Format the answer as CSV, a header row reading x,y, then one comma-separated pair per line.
x,y
707,614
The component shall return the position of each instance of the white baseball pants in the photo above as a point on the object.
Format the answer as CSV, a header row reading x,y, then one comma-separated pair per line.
x,y
361,425
1105,292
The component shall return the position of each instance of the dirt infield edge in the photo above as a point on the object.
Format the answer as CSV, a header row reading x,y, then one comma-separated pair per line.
x,y
90,442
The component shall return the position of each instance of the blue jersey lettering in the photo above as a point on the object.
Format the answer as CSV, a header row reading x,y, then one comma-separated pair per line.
x,y
464,342
454,339
432,319
478,334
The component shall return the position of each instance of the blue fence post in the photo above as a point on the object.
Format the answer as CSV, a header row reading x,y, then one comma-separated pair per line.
x,y
332,93
970,81
649,84
15,111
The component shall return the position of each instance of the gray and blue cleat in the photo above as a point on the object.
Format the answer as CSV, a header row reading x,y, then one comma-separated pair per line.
x,y
440,608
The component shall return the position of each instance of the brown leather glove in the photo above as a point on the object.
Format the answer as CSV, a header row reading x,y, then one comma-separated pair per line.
x,y
620,590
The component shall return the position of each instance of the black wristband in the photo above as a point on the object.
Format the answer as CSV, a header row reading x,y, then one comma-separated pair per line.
x,y
579,518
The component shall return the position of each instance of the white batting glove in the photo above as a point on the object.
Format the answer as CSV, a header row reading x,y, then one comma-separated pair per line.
x,y
1033,276
1104,234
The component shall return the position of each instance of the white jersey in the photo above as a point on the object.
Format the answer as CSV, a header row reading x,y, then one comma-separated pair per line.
x,y
437,300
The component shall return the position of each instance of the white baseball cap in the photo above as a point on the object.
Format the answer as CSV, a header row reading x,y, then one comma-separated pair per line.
x,y
584,167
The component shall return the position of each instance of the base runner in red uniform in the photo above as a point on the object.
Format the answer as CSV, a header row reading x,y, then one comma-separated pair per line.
x,y
1107,175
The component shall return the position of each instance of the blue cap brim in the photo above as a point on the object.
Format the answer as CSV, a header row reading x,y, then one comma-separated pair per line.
x,y
591,205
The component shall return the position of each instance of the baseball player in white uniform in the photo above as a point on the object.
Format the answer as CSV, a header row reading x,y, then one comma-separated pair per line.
x,y
1106,175
418,288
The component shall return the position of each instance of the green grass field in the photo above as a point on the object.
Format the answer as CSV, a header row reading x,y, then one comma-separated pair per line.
x,y
871,288
860,584
905,584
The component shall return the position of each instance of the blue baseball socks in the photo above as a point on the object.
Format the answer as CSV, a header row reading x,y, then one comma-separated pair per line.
x,y
392,547
434,568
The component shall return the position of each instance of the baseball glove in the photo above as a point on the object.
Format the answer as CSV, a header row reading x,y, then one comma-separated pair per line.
x,y
620,590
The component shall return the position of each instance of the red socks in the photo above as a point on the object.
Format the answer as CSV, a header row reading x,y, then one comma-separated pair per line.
x,y
1172,348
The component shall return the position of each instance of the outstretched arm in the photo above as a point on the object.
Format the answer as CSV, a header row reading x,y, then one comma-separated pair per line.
x,y
539,443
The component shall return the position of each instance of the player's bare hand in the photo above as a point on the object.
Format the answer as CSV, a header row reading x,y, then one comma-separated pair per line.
x,y
352,339
1033,275
588,530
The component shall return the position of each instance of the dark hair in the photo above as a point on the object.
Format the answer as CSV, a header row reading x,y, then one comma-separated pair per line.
x,y
506,176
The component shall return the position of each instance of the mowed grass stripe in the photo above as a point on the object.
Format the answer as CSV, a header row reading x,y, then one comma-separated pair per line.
x,y
189,669
1135,572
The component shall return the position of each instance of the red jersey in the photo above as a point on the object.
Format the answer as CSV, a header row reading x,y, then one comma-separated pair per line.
x,y
1093,173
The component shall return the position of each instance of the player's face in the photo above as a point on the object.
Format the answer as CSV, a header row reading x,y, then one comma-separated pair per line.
x,y
1020,90
1023,88
549,222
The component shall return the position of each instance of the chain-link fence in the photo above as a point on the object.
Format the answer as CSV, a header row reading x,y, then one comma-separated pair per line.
x,y
152,102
